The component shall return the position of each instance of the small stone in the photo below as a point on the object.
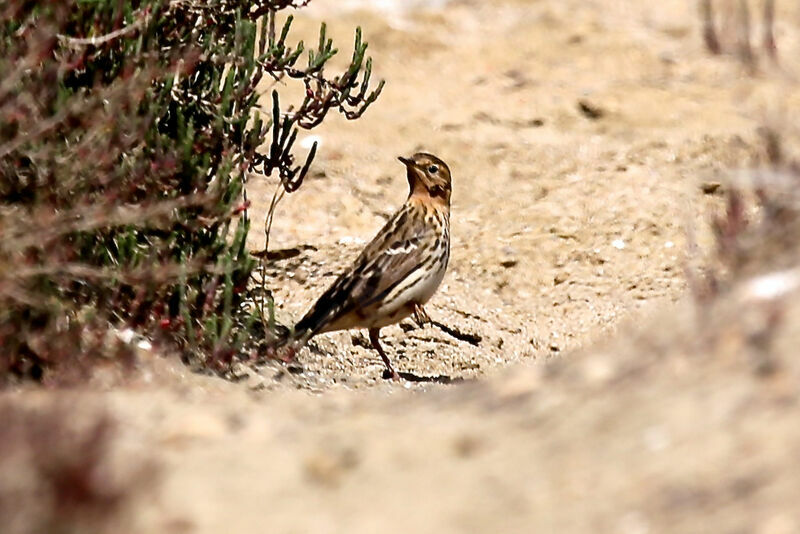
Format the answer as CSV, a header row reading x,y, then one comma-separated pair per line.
x,y
508,262
239,371
560,278
590,110
709,188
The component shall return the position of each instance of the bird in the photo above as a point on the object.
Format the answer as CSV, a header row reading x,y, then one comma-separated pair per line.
x,y
399,270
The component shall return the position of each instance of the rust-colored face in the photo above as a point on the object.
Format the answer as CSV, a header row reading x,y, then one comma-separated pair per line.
x,y
428,175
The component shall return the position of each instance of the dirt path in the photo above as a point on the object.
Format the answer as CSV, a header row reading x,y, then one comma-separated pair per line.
x,y
565,220
579,135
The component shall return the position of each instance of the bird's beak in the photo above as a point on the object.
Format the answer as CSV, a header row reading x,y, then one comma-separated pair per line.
x,y
406,161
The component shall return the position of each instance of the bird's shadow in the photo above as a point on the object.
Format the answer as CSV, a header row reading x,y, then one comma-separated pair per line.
x,y
411,377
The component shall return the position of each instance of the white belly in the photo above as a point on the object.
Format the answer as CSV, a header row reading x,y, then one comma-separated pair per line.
x,y
417,288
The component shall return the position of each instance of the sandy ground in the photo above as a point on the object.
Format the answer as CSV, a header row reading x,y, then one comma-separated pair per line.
x,y
591,396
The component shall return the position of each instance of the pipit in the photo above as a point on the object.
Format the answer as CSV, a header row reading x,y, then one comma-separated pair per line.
x,y
399,270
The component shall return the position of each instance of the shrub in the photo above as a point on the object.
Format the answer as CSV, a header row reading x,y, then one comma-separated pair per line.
x,y
126,131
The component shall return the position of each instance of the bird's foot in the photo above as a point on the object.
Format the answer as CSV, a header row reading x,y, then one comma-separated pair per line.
x,y
391,374
420,316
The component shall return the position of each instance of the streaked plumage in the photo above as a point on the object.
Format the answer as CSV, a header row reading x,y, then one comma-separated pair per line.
x,y
399,269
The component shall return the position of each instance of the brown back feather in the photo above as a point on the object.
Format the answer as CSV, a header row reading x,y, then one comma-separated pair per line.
x,y
377,270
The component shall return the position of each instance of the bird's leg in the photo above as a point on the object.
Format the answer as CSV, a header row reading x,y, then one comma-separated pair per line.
x,y
421,317
374,334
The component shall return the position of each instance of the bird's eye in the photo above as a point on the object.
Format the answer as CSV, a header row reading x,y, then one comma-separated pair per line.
x,y
433,169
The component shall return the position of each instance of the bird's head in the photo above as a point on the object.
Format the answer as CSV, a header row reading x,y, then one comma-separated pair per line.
x,y
428,176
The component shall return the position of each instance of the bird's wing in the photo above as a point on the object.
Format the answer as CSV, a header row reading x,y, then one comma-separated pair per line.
x,y
396,252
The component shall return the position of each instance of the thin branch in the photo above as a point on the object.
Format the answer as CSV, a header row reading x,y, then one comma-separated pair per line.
x,y
709,30
25,233
77,42
769,23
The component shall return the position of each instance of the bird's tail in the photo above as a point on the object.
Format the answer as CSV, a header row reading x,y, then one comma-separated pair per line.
x,y
310,325
278,335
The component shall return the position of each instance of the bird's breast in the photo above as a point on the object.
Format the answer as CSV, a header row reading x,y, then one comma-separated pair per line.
x,y
417,288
